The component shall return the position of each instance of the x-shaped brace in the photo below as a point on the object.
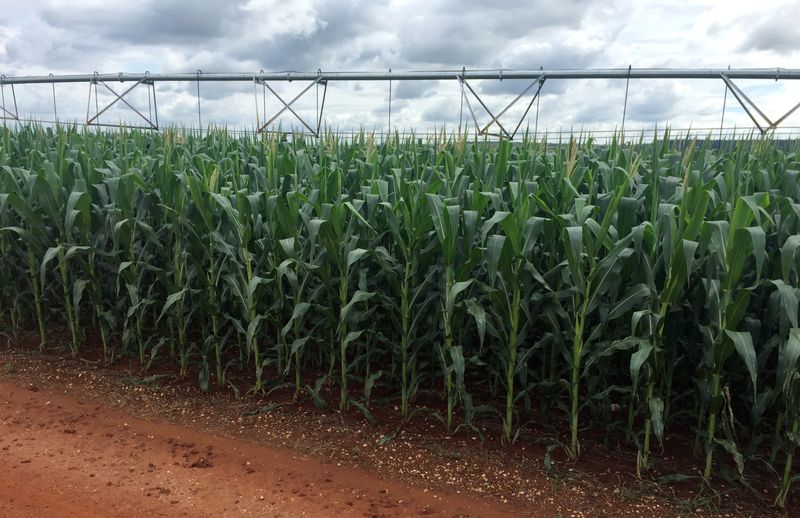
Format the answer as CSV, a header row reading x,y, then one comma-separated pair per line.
x,y
5,114
152,122
288,105
496,118
744,101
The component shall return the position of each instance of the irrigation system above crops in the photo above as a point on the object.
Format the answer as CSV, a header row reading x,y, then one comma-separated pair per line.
x,y
474,110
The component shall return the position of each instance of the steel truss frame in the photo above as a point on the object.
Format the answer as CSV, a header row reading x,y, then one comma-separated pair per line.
x,y
5,114
495,119
745,101
314,130
151,119
764,124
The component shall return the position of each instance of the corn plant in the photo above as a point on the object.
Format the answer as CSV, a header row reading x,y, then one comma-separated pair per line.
x,y
640,288
404,270
729,244
295,277
787,381
667,263
32,234
455,235
340,234
242,278
513,276
593,276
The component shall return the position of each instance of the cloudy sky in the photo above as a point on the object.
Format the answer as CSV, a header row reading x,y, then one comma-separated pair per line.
x,y
83,36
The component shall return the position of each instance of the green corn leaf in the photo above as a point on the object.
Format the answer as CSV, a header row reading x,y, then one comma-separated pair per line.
x,y
297,314
657,416
789,255
788,357
452,294
743,342
78,288
477,311
574,244
358,296
638,359
171,300
496,218
494,251
788,300
351,337
353,256
633,297
51,253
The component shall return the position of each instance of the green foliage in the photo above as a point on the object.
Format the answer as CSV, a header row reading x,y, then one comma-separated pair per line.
x,y
636,288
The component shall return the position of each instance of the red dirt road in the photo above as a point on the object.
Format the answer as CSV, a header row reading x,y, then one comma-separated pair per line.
x,y
64,456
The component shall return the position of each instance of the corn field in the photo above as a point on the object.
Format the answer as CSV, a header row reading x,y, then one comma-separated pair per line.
x,y
638,290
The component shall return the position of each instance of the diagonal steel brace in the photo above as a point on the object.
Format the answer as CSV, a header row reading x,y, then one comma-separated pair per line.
x,y
5,114
469,104
287,106
743,101
93,121
742,98
481,131
785,115
495,119
540,81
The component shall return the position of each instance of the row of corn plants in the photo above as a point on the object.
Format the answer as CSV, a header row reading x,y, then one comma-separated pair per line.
x,y
637,289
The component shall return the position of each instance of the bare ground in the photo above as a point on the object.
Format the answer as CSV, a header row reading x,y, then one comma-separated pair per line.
x,y
80,440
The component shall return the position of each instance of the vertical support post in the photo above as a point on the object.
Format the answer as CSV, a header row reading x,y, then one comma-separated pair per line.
x,y
724,103
460,114
150,86
3,99
55,110
625,106
390,105
536,121
199,117
256,82
155,105
255,98
321,108
89,102
461,107
14,96
96,103
263,98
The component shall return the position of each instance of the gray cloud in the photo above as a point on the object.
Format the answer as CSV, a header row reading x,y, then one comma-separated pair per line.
x,y
778,32
548,55
414,89
381,111
331,41
601,112
77,36
150,22
653,103
648,102
483,33
444,112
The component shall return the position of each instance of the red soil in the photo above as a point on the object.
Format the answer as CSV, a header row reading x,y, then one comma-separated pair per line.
x,y
66,456
80,439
